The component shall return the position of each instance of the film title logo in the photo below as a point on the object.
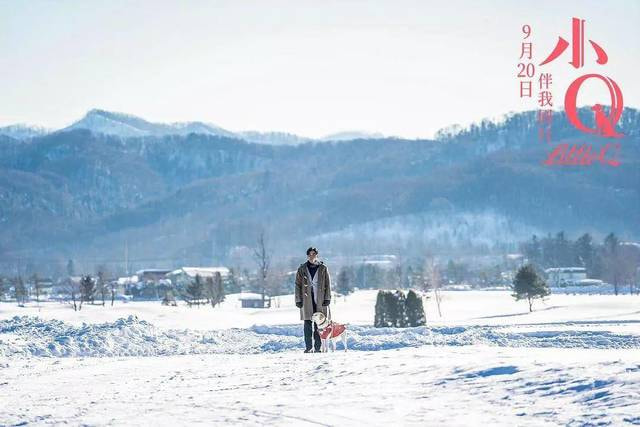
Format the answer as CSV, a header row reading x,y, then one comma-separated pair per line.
x,y
604,119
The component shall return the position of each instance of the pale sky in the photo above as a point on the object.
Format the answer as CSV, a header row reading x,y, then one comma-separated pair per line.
x,y
405,68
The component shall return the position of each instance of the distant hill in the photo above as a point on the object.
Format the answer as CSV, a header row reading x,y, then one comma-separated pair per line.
x,y
111,123
22,131
124,125
196,198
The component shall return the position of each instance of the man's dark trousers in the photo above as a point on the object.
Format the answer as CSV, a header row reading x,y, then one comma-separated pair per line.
x,y
307,330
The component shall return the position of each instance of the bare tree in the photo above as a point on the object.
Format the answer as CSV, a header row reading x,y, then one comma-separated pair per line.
x,y
275,285
214,289
4,287
628,264
20,291
263,260
113,284
37,287
433,281
101,283
73,291
614,262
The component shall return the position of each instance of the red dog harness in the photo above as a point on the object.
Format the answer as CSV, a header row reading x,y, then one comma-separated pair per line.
x,y
333,330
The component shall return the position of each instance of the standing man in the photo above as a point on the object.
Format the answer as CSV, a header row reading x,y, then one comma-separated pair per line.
x,y
313,293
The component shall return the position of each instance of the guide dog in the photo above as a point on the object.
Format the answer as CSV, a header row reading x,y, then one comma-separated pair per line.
x,y
330,331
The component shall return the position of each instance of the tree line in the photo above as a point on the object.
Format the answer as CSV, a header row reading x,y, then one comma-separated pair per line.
x,y
610,261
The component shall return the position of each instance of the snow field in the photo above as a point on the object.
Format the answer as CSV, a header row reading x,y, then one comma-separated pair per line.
x,y
575,361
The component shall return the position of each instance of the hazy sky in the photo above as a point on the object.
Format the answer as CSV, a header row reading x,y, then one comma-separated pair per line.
x,y
403,68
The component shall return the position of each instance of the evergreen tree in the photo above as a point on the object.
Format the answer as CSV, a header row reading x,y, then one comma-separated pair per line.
x,y
399,309
391,309
194,291
529,285
563,250
232,285
87,289
395,314
394,309
611,243
380,318
583,250
456,272
415,310
549,258
533,250
343,285
370,276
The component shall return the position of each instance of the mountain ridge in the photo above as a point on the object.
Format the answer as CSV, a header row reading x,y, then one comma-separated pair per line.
x,y
128,125
196,198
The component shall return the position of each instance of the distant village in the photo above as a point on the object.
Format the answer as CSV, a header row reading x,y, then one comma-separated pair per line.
x,y
578,264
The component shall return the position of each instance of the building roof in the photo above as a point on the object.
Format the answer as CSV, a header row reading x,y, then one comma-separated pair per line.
x,y
587,282
200,271
250,296
153,270
566,270
127,280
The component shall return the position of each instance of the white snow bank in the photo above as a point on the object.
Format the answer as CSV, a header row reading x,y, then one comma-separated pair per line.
x,y
458,308
603,289
32,336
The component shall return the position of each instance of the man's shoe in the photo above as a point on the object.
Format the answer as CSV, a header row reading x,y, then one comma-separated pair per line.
x,y
308,350
317,351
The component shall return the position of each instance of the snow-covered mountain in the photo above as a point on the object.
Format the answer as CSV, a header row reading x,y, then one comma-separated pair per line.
x,y
84,193
273,138
22,131
351,135
125,125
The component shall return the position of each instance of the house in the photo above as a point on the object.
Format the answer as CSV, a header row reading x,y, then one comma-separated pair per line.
x,y
127,285
185,275
65,287
251,300
150,283
565,276
44,288
152,274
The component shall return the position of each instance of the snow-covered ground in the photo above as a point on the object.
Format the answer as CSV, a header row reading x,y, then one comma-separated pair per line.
x,y
574,361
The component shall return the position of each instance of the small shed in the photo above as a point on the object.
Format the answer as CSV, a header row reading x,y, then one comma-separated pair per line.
x,y
251,300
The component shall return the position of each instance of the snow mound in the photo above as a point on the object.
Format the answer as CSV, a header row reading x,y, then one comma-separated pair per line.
x,y
32,336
